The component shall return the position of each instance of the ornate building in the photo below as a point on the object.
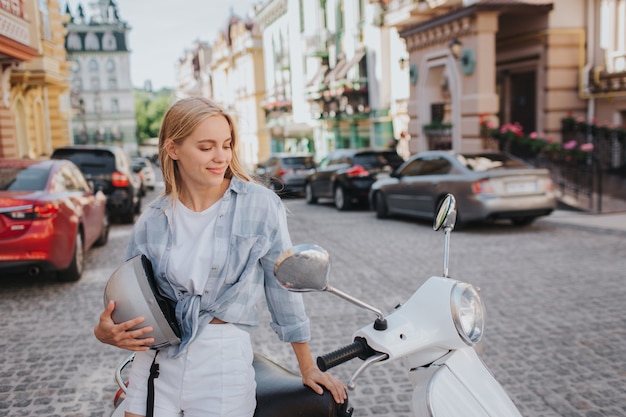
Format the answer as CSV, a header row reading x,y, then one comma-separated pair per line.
x,y
193,77
34,110
101,91
528,61
334,76
237,83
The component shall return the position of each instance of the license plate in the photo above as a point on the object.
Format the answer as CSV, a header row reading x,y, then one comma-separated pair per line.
x,y
521,187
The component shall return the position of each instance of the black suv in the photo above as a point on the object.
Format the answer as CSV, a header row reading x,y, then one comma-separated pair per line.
x,y
346,175
109,169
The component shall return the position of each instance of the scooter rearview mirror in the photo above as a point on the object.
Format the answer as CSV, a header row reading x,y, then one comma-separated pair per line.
x,y
306,267
446,215
303,268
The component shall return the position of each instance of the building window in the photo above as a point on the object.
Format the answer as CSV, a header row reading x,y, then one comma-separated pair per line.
x,y
91,42
613,34
95,84
108,42
74,43
110,66
115,105
77,84
301,10
112,83
46,33
93,65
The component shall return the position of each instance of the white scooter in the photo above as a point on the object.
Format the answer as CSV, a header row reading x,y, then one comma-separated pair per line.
x,y
433,334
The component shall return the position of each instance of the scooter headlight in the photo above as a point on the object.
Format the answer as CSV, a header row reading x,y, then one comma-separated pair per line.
x,y
468,312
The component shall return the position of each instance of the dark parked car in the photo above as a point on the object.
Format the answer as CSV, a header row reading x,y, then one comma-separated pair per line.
x,y
285,173
49,217
486,186
109,168
346,175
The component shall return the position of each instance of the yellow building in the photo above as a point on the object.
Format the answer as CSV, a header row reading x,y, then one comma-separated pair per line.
x,y
34,112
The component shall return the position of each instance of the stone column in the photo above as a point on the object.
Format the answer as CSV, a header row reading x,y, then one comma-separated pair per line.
x,y
479,100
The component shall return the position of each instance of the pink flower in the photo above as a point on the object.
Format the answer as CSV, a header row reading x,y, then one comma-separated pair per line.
x,y
570,145
534,135
586,147
550,139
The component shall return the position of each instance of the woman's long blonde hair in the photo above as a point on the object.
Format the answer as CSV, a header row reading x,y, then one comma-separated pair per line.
x,y
179,122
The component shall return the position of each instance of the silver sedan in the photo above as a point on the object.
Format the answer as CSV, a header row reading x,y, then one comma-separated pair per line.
x,y
486,185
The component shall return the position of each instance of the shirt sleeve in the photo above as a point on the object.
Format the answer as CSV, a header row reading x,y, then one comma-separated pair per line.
x,y
289,319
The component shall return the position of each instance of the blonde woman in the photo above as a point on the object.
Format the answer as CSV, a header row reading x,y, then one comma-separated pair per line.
x,y
212,239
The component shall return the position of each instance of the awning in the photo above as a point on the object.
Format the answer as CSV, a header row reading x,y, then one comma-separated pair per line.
x,y
331,76
341,73
318,76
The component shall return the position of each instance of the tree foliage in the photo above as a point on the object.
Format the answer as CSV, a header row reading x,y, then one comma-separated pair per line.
x,y
150,108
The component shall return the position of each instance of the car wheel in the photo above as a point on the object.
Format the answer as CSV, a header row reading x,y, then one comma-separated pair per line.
x,y
104,233
308,194
382,211
523,221
341,202
75,270
138,206
128,217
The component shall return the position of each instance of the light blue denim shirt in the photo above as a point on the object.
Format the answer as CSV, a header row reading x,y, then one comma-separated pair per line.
x,y
251,232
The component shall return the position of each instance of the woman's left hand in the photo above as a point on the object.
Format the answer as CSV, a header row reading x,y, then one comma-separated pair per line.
x,y
314,378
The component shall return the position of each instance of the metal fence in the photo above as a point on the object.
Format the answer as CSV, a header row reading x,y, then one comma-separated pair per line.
x,y
593,180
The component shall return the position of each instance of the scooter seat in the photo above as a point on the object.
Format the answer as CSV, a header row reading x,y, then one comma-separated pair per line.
x,y
281,393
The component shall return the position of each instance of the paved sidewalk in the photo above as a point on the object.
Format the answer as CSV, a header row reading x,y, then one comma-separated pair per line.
x,y
610,222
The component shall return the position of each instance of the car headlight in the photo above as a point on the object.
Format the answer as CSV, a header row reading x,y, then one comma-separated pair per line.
x,y
468,312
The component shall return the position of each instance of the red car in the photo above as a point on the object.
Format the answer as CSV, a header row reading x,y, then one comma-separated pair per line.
x,y
49,217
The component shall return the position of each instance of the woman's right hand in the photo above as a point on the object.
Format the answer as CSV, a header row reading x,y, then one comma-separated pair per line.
x,y
120,335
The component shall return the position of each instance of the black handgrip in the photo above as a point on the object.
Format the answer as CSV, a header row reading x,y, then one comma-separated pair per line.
x,y
358,348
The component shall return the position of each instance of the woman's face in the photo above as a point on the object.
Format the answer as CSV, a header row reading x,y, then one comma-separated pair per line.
x,y
204,155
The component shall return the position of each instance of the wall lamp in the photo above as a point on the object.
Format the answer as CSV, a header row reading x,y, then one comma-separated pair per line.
x,y
456,47
466,56
403,62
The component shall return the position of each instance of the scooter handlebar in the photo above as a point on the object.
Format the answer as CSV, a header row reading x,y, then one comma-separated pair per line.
x,y
358,348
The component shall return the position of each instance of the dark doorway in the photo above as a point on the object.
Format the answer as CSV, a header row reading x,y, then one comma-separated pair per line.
x,y
523,101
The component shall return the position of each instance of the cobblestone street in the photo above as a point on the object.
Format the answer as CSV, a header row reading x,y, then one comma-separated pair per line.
x,y
554,338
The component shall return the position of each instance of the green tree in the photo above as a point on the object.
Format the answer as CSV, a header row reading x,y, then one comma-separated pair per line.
x,y
150,108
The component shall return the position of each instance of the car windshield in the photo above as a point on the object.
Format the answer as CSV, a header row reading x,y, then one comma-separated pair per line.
x,y
23,179
93,162
378,160
489,161
299,162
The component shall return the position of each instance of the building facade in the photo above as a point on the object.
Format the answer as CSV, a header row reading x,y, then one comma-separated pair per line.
x,y
101,90
532,62
34,110
193,77
334,76
230,71
310,76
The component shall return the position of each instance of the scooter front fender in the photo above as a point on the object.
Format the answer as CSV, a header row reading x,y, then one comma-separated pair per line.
x,y
459,385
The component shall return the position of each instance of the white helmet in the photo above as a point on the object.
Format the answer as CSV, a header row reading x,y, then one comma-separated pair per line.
x,y
134,290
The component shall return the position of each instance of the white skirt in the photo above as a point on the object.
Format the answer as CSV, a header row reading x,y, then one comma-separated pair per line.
x,y
214,377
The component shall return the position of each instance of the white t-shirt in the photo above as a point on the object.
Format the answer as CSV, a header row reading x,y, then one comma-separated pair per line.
x,y
192,237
